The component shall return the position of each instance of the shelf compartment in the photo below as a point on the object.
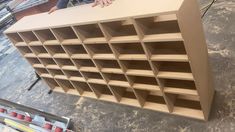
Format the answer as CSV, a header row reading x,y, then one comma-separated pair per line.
x,y
24,50
85,64
100,51
66,35
76,51
29,36
129,51
146,83
55,49
55,72
14,38
51,82
72,73
33,61
90,33
125,95
38,50
150,26
65,84
164,18
187,105
174,70
94,78
180,87
109,66
116,80
155,102
152,100
103,92
41,71
63,63
45,35
138,68
47,61
84,89
120,32
167,51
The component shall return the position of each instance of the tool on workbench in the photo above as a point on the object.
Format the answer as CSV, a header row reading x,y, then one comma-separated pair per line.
x,y
27,119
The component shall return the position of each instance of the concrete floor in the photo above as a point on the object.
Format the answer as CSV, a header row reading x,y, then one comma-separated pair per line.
x,y
89,115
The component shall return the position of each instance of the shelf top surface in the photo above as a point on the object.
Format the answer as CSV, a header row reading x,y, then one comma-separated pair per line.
x,y
85,14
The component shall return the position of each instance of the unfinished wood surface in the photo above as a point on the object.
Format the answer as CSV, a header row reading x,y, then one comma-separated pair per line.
x,y
145,57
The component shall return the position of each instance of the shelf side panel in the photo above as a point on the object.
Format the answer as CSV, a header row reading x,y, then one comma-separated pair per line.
x,y
196,48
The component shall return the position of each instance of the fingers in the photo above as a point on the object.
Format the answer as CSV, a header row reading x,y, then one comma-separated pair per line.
x,y
52,9
95,3
102,3
109,2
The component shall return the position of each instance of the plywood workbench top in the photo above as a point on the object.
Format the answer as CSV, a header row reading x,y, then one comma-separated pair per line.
x,y
86,14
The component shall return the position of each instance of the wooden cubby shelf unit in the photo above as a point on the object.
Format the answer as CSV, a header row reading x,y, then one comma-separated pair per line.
x,y
151,57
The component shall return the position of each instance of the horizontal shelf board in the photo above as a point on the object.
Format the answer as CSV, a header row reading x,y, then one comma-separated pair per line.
x,y
164,18
20,44
88,94
104,56
175,75
51,42
109,98
163,37
132,57
180,91
187,112
189,97
35,43
177,58
71,42
62,77
30,55
44,55
130,102
112,70
89,69
146,87
61,55
73,92
119,83
52,67
46,75
69,68
58,89
78,79
96,81
80,56
147,73
126,39
156,106
97,40
38,66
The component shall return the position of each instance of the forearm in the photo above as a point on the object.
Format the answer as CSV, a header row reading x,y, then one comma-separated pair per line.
x,y
62,4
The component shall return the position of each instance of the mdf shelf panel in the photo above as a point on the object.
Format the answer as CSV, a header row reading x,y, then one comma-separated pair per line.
x,y
145,57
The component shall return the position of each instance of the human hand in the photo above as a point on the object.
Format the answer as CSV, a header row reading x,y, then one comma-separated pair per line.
x,y
102,3
53,9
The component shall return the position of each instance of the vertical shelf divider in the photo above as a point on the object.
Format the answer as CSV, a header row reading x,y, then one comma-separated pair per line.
x,y
140,33
123,68
90,53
